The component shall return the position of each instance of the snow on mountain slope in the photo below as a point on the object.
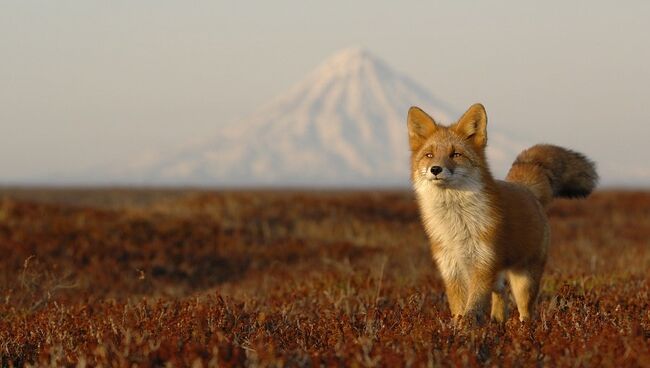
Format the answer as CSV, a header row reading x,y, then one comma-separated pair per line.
x,y
343,125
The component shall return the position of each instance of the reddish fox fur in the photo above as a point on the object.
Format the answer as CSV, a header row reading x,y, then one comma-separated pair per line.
x,y
483,230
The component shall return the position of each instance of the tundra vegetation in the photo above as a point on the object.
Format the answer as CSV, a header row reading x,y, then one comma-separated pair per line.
x,y
202,278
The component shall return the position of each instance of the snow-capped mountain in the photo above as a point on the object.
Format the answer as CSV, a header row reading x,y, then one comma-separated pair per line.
x,y
343,125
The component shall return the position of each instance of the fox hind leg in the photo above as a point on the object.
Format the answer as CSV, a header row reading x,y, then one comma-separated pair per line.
x,y
525,287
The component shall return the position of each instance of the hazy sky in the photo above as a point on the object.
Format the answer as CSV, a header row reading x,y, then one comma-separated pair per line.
x,y
84,83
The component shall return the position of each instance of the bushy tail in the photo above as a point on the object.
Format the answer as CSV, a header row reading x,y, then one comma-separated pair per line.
x,y
552,171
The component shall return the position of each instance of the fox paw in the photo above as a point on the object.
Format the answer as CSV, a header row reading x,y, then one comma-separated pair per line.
x,y
472,319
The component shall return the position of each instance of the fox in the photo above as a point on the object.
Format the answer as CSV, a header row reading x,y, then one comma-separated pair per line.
x,y
483,231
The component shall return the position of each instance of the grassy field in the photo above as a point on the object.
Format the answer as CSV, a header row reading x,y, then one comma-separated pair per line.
x,y
199,278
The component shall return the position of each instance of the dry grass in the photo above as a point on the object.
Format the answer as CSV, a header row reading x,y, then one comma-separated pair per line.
x,y
297,278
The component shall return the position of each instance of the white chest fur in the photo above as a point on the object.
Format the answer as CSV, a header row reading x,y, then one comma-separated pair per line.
x,y
455,220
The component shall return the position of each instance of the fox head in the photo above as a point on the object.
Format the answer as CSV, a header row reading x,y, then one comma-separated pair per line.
x,y
448,156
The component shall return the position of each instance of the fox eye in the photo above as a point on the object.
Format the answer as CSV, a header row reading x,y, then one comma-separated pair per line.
x,y
429,155
455,154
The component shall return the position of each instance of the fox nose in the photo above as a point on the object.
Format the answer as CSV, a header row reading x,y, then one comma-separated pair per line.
x,y
435,170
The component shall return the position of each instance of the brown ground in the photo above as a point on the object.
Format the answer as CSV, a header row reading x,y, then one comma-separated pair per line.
x,y
145,277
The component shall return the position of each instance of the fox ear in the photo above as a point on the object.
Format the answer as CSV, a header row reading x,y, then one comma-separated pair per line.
x,y
420,126
473,125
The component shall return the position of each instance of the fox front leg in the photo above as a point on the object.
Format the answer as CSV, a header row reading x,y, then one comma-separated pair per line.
x,y
478,296
456,296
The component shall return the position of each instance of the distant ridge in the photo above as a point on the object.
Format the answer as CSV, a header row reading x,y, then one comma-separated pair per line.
x,y
343,125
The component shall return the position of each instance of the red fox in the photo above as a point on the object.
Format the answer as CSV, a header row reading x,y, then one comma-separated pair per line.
x,y
483,230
